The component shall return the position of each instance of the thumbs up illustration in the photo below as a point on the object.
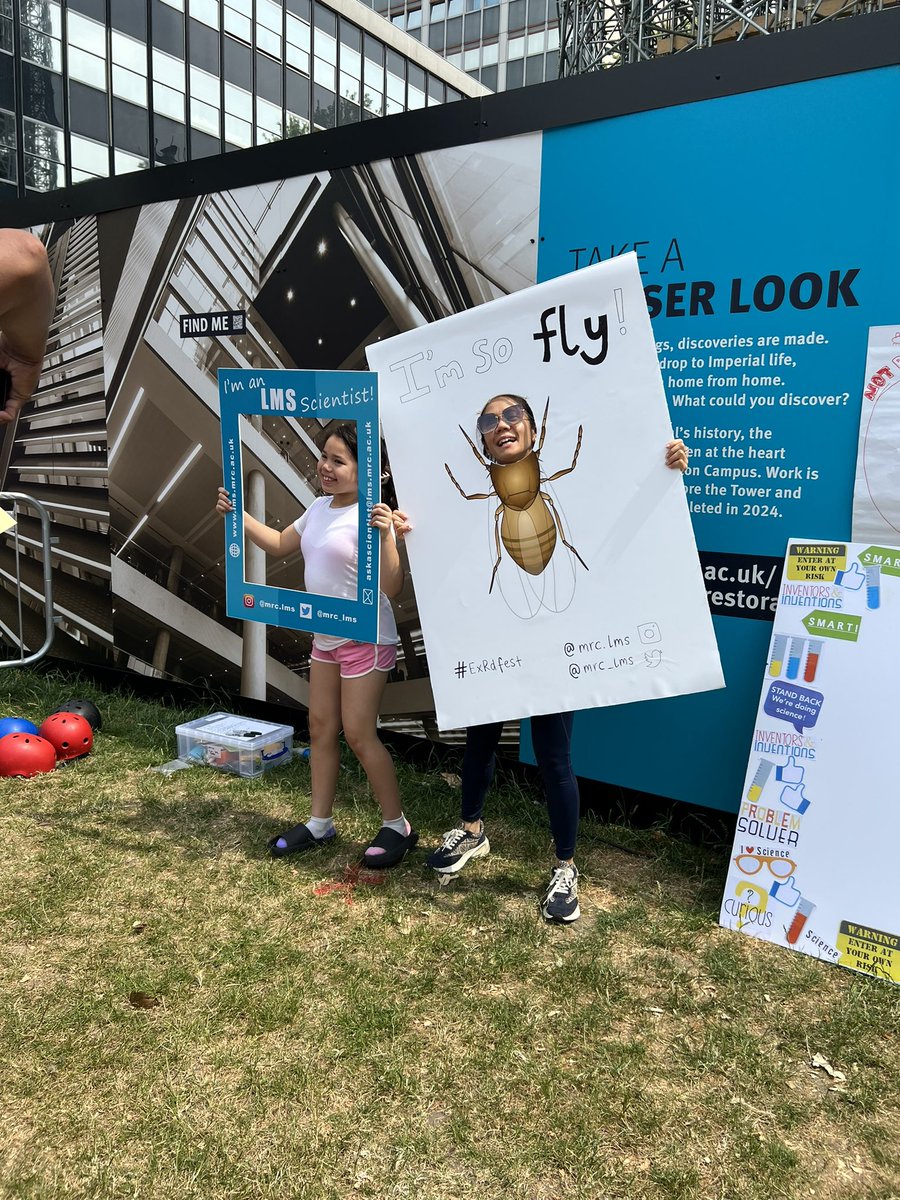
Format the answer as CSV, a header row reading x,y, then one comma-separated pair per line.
x,y
852,579
793,797
786,892
790,772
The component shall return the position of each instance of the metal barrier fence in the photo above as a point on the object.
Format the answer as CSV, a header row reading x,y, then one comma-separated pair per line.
x,y
15,579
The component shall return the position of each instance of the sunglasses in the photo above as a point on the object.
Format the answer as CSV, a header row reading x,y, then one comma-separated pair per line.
x,y
488,422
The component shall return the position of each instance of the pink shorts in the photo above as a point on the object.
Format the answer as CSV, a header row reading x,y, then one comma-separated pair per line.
x,y
358,658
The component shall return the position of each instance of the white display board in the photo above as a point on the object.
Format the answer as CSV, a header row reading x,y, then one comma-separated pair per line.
x,y
814,854
620,613
876,496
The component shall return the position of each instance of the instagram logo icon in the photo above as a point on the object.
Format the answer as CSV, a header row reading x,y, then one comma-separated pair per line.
x,y
249,602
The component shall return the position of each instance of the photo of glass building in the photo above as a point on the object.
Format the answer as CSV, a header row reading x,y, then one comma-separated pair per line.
x,y
95,88
329,263
121,443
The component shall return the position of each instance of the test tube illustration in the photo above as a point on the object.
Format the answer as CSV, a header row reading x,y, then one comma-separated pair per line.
x,y
794,657
763,771
779,645
812,661
805,909
873,586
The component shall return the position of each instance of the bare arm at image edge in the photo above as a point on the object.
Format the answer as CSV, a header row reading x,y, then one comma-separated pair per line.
x,y
26,309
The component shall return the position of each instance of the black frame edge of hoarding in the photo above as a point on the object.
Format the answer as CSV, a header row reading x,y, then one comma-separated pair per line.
x,y
829,48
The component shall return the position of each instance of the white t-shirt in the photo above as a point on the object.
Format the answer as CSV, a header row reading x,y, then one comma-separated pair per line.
x,y
329,543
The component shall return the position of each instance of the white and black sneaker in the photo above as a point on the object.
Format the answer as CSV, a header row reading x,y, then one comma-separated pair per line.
x,y
458,846
560,901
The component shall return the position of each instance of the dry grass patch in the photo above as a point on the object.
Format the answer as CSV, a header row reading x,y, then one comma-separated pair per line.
x,y
320,1036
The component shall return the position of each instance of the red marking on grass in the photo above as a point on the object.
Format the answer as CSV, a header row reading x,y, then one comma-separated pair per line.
x,y
363,875
353,877
325,889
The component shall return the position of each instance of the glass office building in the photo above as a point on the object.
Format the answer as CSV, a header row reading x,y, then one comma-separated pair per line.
x,y
93,88
502,43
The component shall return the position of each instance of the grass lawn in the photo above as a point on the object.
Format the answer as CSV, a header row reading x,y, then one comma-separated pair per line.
x,y
181,1016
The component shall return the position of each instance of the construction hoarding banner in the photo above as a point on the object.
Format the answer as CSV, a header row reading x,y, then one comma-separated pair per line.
x,y
301,255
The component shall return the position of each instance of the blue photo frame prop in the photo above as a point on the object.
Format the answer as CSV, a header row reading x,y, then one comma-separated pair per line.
x,y
326,395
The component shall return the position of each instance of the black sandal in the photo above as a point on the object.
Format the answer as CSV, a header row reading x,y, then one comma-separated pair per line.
x,y
390,848
297,840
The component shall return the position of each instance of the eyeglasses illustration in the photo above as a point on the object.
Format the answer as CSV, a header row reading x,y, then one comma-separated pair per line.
x,y
752,864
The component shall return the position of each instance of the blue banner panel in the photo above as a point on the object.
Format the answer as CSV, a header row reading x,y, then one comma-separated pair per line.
x,y
767,247
301,395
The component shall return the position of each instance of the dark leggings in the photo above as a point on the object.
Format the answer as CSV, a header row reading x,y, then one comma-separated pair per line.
x,y
552,738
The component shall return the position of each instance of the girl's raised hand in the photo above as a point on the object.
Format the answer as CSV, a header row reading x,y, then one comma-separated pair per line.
x,y
677,455
382,518
223,502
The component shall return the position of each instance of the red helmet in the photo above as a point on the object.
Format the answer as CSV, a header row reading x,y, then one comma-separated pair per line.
x,y
70,734
25,754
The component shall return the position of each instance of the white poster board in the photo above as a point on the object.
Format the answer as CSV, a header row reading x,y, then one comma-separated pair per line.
x,y
876,496
620,613
814,856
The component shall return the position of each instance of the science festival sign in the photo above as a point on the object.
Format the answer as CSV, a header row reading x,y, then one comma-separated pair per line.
x,y
818,823
614,608
325,395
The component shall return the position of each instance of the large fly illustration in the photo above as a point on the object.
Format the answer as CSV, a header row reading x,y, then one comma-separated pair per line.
x,y
526,520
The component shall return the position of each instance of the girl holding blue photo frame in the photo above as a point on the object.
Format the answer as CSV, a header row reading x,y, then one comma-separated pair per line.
x,y
346,678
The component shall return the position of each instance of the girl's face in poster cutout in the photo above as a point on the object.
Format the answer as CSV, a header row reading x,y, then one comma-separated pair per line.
x,y
511,438
337,473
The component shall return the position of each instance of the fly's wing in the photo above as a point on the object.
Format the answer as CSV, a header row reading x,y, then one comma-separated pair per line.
x,y
553,589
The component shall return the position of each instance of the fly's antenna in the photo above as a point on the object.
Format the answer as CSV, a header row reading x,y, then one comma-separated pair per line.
x,y
543,425
475,449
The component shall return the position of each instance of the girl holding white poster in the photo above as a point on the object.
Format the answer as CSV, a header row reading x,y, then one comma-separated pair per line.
x,y
529,531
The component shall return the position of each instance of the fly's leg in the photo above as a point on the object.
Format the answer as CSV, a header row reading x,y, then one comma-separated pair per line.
x,y
497,544
545,496
465,495
568,470
474,495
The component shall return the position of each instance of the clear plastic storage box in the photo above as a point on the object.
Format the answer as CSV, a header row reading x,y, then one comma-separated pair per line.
x,y
240,745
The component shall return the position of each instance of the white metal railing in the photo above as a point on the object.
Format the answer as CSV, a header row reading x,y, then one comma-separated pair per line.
x,y
49,620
